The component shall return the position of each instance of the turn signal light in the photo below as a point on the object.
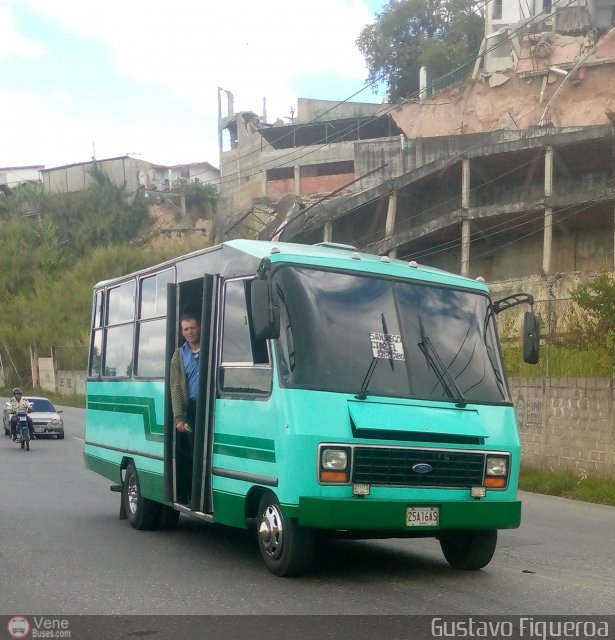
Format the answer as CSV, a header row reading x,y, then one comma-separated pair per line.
x,y
333,476
495,483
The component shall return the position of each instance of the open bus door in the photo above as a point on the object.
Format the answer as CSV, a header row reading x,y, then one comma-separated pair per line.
x,y
199,297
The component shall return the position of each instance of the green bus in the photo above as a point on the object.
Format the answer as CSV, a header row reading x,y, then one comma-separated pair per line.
x,y
341,393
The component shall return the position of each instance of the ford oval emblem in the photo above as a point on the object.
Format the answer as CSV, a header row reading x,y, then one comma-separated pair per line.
x,y
422,467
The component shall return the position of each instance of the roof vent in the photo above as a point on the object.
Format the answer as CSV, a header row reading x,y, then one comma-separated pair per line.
x,y
275,250
336,245
385,259
356,256
414,264
480,279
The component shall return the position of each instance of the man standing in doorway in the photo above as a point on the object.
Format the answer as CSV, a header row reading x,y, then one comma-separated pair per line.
x,y
184,382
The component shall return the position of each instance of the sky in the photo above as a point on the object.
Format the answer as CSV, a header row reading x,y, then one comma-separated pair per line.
x,y
80,78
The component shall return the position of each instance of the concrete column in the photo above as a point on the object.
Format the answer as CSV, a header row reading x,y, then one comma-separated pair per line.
x,y
391,213
548,229
297,181
393,254
548,241
423,83
465,184
327,235
548,172
465,247
418,150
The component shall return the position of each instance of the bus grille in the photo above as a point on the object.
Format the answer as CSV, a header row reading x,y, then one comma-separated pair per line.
x,y
393,467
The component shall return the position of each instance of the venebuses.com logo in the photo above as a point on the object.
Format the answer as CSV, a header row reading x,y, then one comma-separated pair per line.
x,y
18,627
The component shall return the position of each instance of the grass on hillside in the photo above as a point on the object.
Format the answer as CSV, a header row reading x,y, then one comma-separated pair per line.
x,y
569,484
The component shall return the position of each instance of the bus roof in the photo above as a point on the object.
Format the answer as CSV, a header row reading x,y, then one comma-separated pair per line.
x,y
325,255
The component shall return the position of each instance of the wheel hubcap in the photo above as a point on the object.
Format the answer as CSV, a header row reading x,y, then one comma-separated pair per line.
x,y
133,494
271,531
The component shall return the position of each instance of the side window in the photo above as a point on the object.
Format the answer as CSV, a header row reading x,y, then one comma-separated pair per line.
x,y
95,365
244,366
97,321
118,347
96,355
152,324
153,298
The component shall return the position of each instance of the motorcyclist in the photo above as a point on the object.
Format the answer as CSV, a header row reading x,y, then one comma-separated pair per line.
x,y
16,404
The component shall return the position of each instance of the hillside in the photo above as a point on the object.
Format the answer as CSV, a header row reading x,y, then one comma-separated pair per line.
x,y
55,247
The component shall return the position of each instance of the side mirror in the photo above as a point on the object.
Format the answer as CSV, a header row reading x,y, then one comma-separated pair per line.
x,y
265,311
531,337
60,411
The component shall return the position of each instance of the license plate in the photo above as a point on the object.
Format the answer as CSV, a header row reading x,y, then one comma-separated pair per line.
x,y
422,516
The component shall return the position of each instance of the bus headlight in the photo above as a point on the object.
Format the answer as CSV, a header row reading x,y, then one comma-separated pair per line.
x,y
496,472
334,459
334,465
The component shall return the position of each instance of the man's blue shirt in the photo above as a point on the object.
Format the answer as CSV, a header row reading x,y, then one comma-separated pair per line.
x,y
191,366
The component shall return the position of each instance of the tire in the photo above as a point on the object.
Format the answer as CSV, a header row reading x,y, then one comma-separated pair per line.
x,y
141,512
23,444
60,435
286,548
7,432
27,445
469,550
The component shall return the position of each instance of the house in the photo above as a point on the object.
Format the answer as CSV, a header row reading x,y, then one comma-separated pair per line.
x,y
13,176
265,168
131,174
536,30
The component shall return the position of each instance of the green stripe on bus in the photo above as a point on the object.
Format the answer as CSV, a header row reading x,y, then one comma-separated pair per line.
x,y
239,446
245,441
244,452
146,407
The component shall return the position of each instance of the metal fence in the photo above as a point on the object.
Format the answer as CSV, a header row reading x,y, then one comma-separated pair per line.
x,y
452,77
562,354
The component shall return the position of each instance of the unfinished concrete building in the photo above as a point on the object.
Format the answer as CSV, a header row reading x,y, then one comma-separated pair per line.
x,y
508,175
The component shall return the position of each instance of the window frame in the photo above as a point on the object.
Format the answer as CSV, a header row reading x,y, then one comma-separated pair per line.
x,y
140,321
126,323
222,366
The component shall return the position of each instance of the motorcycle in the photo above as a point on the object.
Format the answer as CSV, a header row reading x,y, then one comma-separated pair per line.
x,y
22,429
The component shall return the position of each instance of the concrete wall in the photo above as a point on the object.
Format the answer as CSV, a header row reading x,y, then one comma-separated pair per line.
x,y
71,382
46,374
567,423
309,110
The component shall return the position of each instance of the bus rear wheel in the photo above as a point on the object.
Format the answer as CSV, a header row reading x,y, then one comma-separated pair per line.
x,y
142,513
286,548
469,550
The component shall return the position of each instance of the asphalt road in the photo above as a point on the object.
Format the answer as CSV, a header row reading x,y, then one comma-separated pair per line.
x,y
64,551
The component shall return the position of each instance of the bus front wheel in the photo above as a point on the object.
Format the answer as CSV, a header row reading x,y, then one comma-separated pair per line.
x,y
286,548
469,550
142,513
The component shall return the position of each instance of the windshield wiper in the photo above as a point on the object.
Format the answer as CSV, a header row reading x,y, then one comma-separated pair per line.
x,y
362,395
439,368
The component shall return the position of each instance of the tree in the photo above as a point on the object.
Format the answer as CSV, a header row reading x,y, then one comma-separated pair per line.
x,y
438,34
595,327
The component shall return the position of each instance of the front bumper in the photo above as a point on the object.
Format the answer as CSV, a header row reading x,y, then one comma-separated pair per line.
x,y
360,514
48,429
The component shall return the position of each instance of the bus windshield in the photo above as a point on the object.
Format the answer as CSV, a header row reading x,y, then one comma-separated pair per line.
x,y
371,336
